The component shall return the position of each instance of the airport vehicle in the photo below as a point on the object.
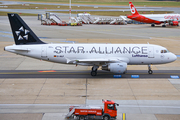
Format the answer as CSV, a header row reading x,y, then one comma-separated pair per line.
x,y
110,57
89,112
53,19
154,19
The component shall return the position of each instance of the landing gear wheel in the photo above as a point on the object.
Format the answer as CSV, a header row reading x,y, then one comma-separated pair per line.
x,y
152,25
105,118
81,118
93,69
150,72
163,25
149,69
93,73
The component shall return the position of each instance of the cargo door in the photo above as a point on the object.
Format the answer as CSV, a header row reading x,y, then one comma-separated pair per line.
x,y
150,52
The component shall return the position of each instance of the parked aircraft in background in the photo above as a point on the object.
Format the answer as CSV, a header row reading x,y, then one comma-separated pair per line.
x,y
154,19
111,57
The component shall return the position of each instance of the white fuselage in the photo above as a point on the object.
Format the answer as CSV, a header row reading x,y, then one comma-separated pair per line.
x,y
142,54
163,17
172,19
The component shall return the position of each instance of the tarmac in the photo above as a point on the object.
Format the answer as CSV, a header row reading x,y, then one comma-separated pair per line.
x,y
49,98
86,74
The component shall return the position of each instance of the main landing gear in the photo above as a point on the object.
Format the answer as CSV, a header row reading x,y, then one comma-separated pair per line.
x,y
149,69
152,25
94,70
164,25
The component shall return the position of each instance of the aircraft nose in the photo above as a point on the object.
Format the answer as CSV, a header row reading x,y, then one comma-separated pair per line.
x,y
173,57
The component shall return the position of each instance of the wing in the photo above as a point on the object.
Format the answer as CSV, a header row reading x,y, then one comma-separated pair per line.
x,y
98,60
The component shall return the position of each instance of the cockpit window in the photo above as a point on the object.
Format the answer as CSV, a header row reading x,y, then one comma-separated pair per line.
x,y
164,51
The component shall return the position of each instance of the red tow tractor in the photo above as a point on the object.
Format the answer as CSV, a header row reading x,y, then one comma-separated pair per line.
x,y
88,112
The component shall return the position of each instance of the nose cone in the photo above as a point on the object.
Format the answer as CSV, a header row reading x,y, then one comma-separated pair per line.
x,y
173,57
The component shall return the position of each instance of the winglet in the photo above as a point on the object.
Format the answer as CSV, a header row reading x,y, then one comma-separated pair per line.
x,y
133,9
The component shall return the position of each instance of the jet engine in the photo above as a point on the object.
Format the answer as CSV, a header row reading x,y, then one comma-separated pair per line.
x,y
174,23
116,67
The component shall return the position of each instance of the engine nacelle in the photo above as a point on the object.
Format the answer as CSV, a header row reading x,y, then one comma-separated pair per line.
x,y
116,67
174,23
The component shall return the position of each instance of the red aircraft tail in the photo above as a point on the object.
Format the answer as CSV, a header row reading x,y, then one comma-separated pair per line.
x,y
133,9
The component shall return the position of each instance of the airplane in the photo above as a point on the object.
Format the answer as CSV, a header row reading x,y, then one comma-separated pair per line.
x,y
154,19
110,57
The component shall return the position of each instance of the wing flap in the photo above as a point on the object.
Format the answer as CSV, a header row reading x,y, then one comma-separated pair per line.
x,y
93,60
122,59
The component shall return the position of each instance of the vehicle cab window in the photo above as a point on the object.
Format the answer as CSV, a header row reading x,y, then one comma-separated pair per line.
x,y
111,107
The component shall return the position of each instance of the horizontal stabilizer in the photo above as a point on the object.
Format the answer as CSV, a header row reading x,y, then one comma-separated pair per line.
x,y
21,49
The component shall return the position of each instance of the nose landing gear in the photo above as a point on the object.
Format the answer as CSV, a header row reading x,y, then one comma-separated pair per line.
x,y
149,69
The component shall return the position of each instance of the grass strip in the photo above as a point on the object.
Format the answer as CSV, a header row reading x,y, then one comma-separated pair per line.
x,y
37,6
21,14
112,2
114,13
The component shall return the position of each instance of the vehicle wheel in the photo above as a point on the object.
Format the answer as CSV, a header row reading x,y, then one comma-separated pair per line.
x,y
105,118
163,25
81,118
93,73
150,71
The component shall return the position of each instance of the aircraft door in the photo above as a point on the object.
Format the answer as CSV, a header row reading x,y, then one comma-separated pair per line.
x,y
44,52
150,52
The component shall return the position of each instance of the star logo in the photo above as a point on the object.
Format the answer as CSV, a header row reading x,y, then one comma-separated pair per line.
x,y
22,34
